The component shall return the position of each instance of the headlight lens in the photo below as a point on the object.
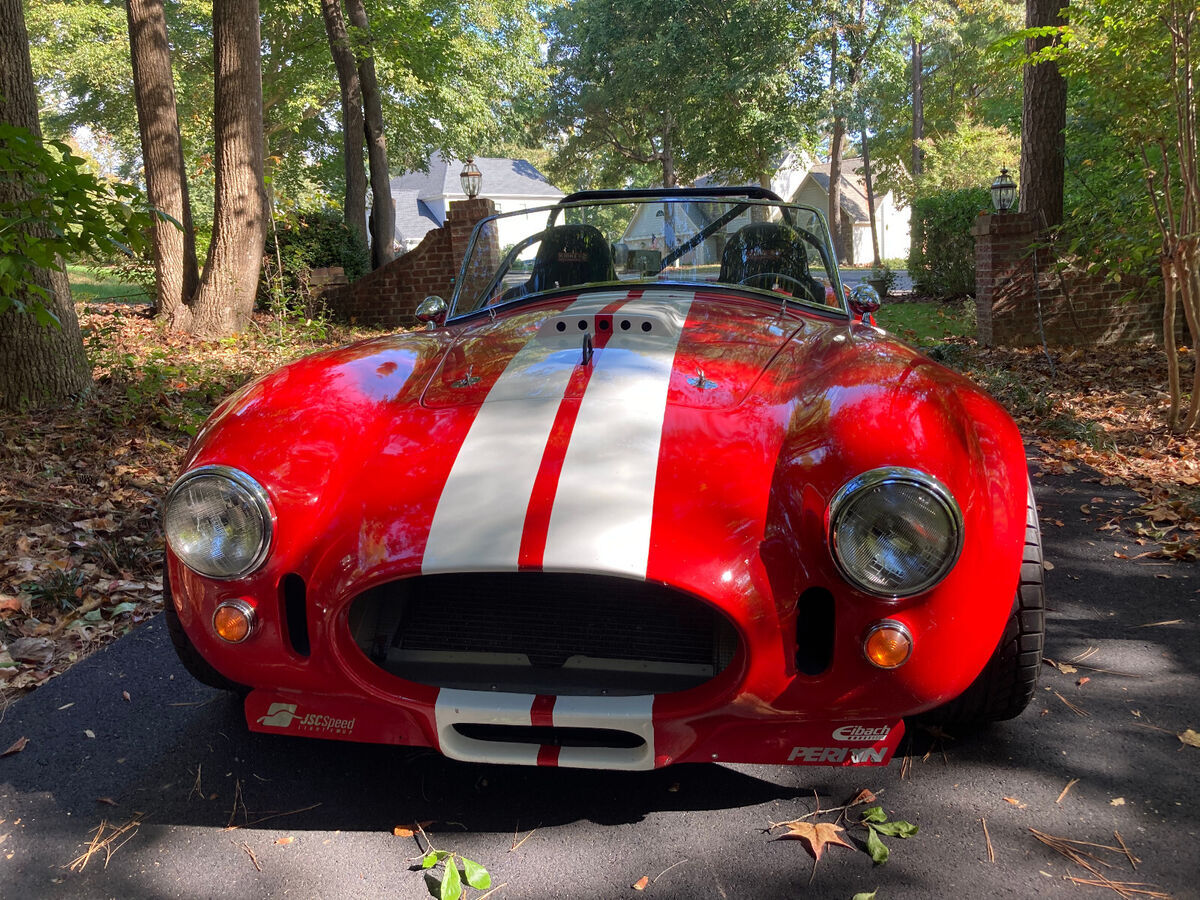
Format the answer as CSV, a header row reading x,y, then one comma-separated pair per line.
x,y
218,522
895,532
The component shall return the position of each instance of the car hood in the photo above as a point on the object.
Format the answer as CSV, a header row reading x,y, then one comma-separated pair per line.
x,y
690,347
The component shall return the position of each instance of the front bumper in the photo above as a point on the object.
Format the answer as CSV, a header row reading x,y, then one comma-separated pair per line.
x,y
620,733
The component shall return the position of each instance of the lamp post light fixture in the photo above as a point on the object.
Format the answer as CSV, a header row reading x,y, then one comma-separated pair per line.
x,y
1004,191
471,178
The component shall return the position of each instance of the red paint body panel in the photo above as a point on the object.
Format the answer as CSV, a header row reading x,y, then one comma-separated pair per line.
x,y
355,448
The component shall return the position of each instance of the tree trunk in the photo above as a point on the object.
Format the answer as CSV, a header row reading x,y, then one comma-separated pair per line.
x,y
176,273
670,179
38,363
918,110
225,300
1043,120
836,147
383,212
353,127
870,198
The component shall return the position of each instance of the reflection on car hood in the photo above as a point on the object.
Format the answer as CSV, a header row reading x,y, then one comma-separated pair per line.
x,y
677,346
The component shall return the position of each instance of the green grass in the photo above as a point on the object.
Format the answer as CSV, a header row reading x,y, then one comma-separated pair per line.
x,y
924,324
89,284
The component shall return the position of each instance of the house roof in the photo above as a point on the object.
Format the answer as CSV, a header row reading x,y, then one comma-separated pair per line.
x,y
414,191
501,178
853,187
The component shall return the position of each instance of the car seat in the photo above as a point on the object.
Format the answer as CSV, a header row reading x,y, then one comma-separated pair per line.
x,y
763,249
568,255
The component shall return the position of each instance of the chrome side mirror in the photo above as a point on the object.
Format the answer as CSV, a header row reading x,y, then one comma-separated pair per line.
x,y
432,311
864,299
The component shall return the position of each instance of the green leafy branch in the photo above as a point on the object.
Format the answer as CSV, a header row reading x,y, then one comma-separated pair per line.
x,y
447,883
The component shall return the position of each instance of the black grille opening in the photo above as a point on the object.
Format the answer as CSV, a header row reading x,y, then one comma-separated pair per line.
x,y
814,631
295,613
545,633
552,736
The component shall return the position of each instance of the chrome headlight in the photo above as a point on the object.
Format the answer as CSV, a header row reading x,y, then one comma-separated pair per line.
x,y
218,521
894,532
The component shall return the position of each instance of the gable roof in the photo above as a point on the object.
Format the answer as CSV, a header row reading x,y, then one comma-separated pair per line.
x,y
853,187
501,178
418,195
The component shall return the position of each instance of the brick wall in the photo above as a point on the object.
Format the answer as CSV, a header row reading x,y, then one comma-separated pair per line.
x,y
1077,309
389,295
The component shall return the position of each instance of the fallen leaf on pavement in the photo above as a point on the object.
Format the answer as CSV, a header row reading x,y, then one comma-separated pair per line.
x,y
285,840
107,801
816,835
1189,737
640,884
1015,802
19,745
1117,801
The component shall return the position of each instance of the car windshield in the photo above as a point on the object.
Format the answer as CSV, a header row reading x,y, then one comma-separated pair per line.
x,y
774,249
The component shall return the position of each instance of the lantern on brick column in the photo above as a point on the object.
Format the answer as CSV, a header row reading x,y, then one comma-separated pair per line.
x,y
1004,191
471,178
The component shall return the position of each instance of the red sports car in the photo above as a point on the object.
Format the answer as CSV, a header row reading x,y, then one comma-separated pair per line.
x,y
648,489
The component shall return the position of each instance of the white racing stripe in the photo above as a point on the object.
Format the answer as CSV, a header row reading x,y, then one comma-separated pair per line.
x,y
480,515
605,501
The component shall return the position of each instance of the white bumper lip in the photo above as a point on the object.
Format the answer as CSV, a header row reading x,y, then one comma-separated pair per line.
x,y
632,715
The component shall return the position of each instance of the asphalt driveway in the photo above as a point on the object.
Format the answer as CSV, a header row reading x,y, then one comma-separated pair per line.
x,y
127,742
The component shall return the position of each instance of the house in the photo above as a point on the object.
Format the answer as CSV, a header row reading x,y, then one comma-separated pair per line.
x,y
422,199
891,218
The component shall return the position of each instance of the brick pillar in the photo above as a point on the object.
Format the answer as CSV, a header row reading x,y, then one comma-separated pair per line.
x,y
460,222
1002,261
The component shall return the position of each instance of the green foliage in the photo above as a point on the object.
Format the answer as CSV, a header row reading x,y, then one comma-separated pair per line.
x,y
642,87
456,869
941,261
970,156
58,209
876,823
305,240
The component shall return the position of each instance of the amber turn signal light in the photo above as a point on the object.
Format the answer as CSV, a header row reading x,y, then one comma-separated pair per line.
x,y
888,645
234,621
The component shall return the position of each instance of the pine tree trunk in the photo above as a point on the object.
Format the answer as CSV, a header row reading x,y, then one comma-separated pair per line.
x,y
225,300
1043,120
836,147
38,364
383,213
870,198
176,273
353,127
918,110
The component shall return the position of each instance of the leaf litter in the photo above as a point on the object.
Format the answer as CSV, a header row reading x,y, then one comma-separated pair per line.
x,y
80,487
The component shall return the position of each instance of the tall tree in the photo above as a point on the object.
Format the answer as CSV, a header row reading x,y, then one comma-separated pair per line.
x,y
353,126
918,106
1043,117
383,214
38,362
176,273
224,299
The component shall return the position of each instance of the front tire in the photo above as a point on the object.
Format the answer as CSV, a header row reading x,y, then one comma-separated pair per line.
x,y
1006,685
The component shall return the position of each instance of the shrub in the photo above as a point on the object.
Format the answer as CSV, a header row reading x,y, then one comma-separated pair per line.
x,y
942,259
307,240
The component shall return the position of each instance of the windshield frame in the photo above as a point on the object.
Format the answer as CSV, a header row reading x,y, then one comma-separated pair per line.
x,y
738,199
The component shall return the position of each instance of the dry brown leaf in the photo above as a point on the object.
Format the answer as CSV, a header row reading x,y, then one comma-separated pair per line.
x,y
19,745
285,840
640,884
816,835
1015,802
125,696
1189,737
411,828
863,796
